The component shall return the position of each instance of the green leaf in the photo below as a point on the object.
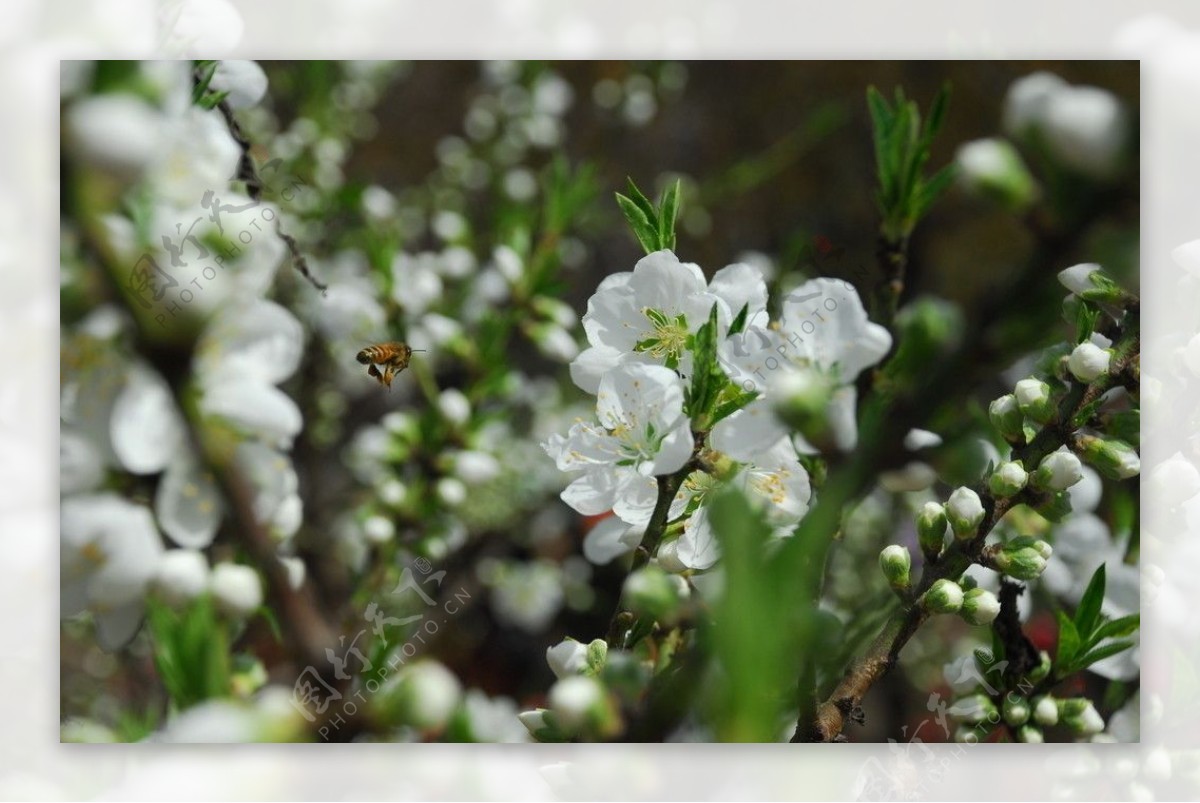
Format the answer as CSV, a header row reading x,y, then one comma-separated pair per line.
x,y
1087,615
1118,628
641,201
1100,653
642,227
204,75
703,366
739,323
668,211
212,100
937,113
1068,641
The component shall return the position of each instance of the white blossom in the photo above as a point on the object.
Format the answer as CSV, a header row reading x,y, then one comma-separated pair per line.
x,y
236,589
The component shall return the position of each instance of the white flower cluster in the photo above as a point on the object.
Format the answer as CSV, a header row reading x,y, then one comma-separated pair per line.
x,y
120,415
641,327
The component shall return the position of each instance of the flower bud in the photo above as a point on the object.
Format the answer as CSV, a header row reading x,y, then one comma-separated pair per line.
x,y
802,400
980,607
1089,283
1007,418
541,725
1045,664
1081,716
1088,362
964,511
570,657
654,593
581,704
1045,711
931,529
1022,558
182,576
895,562
944,596
1033,397
1008,479
993,168
236,589
974,709
1016,710
1058,471
1113,458
422,695
1030,734
454,406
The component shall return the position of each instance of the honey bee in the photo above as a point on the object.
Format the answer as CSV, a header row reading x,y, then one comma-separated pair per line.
x,y
392,357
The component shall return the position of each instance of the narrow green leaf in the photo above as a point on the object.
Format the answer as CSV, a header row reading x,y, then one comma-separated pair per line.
x,y
1100,653
1068,641
639,223
937,113
212,100
703,366
739,323
932,188
668,211
1087,615
643,203
1118,628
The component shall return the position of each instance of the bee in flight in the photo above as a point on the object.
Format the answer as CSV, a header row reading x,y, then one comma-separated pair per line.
x,y
392,357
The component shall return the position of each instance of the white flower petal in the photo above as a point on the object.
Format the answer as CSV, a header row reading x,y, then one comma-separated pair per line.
x,y
661,281
116,627
80,464
260,339
740,285
675,451
188,503
245,82
609,540
697,548
826,323
593,363
843,420
146,430
255,408
749,432
593,493
635,499
638,396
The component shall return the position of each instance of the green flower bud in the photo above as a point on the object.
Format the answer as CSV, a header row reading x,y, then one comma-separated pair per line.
x,y
541,725
1113,458
895,562
931,529
1030,735
802,402
424,695
974,709
1016,710
1022,558
1045,711
1081,716
1008,479
993,169
653,593
1058,471
1039,672
979,607
1007,418
1089,283
964,510
1033,398
966,734
581,705
944,596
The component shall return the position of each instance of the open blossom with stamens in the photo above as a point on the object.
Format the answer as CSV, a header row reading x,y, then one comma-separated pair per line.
x,y
640,432
824,327
649,314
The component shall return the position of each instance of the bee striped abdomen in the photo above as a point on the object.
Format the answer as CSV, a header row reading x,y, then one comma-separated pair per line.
x,y
392,356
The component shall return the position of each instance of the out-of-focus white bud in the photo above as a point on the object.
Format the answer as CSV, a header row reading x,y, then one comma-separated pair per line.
x,y
236,589
918,439
453,406
422,695
378,529
1016,710
992,168
1045,711
182,576
451,491
475,467
245,82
